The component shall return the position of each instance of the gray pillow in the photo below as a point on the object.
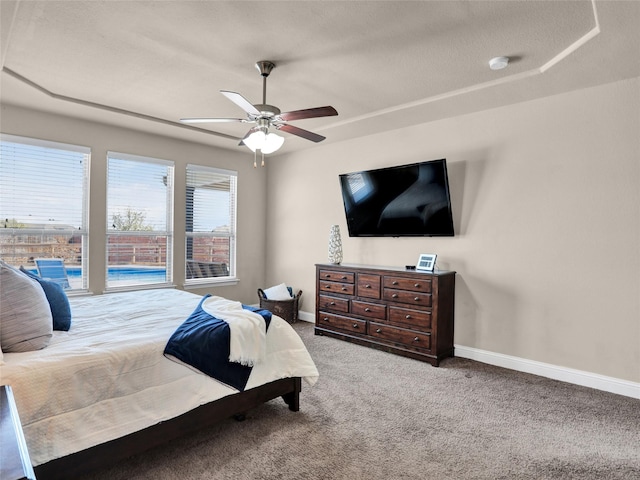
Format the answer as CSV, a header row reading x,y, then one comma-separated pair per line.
x,y
25,316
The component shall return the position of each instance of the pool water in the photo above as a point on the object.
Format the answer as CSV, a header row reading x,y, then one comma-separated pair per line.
x,y
130,274
137,274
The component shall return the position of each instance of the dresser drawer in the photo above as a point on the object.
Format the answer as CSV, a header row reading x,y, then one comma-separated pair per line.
x,y
400,335
402,296
334,276
328,320
369,310
335,287
417,319
412,284
334,304
368,286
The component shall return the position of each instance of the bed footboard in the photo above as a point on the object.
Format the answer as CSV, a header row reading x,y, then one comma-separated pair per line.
x,y
106,454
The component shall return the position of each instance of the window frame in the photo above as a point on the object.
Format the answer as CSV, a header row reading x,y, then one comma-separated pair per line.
x,y
169,231
84,230
231,278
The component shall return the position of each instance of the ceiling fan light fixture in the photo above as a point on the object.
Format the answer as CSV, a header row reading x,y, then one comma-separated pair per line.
x,y
265,142
255,141
272,143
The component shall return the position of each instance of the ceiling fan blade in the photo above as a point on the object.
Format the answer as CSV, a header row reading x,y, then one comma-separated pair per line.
x,y
242,102
314,137
327,111
211,120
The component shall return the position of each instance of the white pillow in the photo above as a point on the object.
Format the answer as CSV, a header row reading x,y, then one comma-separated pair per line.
x,y
25,316
279,292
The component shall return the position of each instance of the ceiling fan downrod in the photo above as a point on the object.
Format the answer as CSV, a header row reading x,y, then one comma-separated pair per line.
x,y
265,67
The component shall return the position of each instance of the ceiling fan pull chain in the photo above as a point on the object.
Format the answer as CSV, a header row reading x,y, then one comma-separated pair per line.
x,y
262,158
255,157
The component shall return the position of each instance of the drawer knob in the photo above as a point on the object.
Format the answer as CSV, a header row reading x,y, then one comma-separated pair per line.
x,y
332,303
417,285
327,275
355,325
367,309
417,339
326,319
417,299
367,286
394,283
344,289
344,277
395,295
408,317
378,330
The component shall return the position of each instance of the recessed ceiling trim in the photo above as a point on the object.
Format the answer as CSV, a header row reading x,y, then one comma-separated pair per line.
x,y
577,44
481,86
573,47
116,110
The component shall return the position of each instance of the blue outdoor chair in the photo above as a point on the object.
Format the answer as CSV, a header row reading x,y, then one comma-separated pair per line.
x,y
53,269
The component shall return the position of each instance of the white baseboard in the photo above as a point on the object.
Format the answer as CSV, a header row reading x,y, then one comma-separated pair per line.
x,y
569,375
307,316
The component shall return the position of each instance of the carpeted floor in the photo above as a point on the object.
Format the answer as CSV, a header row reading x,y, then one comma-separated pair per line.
x,y
373,415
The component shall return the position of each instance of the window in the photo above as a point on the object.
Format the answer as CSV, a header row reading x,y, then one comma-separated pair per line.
x,y
210,224
139,221
44,205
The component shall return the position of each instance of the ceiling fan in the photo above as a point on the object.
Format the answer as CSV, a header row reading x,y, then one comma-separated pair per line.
x,y
266,116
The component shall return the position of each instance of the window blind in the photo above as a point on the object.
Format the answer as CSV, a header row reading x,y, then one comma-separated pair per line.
x,y
44,203
42,183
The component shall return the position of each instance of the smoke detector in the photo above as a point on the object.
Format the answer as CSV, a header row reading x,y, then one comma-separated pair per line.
x,y
498,63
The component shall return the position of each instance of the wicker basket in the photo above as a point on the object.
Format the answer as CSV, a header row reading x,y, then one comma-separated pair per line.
x,y
287,309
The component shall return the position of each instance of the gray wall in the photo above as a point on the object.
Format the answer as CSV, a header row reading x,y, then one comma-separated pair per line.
x,y
547,212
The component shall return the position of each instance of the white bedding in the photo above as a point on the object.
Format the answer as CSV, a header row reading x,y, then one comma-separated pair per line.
x,y
107,376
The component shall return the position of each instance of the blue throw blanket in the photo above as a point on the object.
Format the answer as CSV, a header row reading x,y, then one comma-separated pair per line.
x,y
202,341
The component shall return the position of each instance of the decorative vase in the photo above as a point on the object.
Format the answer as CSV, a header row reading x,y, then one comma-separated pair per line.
x,y
335,245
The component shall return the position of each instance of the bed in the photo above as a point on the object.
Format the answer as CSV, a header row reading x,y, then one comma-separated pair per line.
x,y
104,390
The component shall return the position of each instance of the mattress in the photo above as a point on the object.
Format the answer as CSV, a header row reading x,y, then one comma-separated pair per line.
x,y
107,376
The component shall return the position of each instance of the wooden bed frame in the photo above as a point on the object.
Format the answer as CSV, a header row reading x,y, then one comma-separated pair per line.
x,y
106,454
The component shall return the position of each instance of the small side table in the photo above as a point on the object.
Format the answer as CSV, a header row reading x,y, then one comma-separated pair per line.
x,y
15,463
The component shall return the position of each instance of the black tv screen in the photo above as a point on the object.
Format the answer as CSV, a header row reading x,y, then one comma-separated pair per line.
x,y
407,200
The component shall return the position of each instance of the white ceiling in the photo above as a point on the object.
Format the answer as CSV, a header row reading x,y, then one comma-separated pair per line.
x,y
382,64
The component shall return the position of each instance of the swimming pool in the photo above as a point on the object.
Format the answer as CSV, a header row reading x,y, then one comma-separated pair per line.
x,y
137,274
130,274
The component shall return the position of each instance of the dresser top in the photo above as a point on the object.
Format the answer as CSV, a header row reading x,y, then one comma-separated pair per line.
x,y
358,266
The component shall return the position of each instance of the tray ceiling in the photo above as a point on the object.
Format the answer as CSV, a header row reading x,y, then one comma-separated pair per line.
x,y
382,64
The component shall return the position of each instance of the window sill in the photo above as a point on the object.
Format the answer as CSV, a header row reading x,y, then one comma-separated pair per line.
x,y
210,282
130,288
78,292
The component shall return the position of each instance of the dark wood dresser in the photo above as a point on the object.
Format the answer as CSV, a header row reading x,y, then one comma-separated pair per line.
x,y
400,311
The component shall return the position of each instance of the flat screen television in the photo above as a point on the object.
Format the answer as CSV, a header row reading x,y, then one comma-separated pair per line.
x,y
406,200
